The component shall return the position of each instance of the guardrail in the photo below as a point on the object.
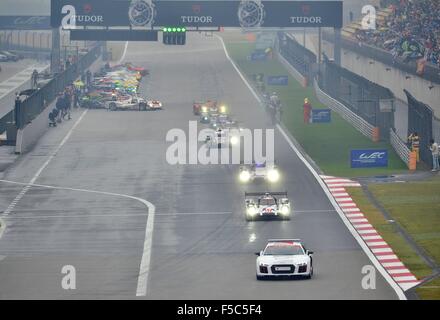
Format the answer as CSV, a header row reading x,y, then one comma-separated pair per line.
x,y
356,121
403,151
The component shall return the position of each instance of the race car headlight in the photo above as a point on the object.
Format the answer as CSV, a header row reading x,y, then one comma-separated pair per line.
x,y
223,109
251,211
273,175
245,176
285,210
204,109
234,140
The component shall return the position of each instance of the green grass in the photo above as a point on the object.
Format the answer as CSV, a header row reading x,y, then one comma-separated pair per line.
x,y
329,145
416,207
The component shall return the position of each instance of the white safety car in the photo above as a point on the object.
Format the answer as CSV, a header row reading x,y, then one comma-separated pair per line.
x,y
261,171
284,257
272,205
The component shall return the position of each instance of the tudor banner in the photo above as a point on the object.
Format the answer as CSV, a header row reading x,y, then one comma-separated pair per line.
x,y
246,14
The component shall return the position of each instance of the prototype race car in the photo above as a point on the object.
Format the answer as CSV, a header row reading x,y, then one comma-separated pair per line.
x,y
218,139
154,105
205,108
270,205
127,103
266,171
284,257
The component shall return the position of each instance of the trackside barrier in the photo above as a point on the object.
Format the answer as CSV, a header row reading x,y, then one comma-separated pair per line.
x,y
407,156
298,76
356,121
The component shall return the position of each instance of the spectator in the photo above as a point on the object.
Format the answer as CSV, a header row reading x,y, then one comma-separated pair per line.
x,y
411,32
414,141
435,153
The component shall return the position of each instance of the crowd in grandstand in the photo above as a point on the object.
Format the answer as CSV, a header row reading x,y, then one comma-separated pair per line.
x,y
411,32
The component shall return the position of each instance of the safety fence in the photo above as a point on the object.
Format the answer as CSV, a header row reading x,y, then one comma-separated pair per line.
x,y
402,150
370,101
356,121
27,110
421,119
301,59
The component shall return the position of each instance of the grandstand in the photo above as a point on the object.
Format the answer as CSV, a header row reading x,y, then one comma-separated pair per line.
x,y
408,30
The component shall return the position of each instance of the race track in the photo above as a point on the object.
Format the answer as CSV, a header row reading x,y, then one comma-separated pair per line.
x,y
202,247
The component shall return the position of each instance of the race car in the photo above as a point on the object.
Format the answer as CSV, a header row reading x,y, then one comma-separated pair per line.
x,y
127,103
270,205
154,105
205,108
261,171
284,258
218,139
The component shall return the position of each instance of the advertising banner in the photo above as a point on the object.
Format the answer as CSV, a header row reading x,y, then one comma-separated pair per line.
x,y
246,14
278,80
321,116
369,158
24,23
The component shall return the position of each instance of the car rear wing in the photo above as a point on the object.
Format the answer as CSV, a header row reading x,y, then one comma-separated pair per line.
x,y
257,194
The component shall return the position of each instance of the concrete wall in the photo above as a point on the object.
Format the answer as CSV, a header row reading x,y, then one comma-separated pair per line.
x,y
393,78
29,135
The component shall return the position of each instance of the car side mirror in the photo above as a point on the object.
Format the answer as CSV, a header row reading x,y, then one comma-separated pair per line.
x,y
258,253
309,252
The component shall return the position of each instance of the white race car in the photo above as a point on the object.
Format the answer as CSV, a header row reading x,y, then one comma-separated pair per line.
x,y
154,105
134,102
266,171
223,138
284,257
272,205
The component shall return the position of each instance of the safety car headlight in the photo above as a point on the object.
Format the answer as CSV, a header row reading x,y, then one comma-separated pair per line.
x,y
273,175
251,211
234,140
285,210
245,176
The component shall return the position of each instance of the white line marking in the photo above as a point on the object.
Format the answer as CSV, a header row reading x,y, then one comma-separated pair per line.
x,y
393,264
397,271
376,243
123,54
45,164
405,278
372,237
393,284
388,257
144,270
382,250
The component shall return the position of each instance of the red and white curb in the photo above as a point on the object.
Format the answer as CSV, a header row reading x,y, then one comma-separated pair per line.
x,y
377,245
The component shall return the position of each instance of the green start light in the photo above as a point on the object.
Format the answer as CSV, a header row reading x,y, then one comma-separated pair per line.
x,y
174,29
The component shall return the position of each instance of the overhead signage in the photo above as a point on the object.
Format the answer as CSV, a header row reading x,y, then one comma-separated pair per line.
x,y
246,14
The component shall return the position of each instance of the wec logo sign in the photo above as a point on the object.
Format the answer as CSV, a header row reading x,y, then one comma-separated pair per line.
x,y
374,155
369,158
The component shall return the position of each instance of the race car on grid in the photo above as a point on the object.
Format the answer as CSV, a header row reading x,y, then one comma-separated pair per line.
x,y
259,171
284,258
154,105
134,102
267,205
